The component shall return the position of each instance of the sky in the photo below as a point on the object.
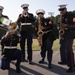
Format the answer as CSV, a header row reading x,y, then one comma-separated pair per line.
x,y
12,8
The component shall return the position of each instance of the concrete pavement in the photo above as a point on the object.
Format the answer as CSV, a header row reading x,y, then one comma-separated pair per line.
x,y
39,69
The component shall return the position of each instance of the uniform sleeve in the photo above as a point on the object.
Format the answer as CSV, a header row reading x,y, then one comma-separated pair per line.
x,y
17,39
19,20
35,26
74,18
49,23
3,41
6,16
69,19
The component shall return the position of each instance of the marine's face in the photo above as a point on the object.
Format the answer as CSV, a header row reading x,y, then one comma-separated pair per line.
x,y
41,15
63,11
25,10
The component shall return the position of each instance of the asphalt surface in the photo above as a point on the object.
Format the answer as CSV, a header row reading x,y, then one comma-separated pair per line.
x,y
38,69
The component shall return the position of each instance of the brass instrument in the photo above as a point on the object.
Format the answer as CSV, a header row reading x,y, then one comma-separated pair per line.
x,y
61,32
62,29
12,27
40,32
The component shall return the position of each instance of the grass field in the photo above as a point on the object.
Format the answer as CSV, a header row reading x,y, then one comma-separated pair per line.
x,y
36,46
56,45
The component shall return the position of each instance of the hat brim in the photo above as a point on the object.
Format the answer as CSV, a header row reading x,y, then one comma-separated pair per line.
x,y
40,13
61,9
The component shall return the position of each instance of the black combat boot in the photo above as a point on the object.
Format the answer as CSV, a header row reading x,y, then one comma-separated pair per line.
x,y
49,65
18,70
70,70
41,60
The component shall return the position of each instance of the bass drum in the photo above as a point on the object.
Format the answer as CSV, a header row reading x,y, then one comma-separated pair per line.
x,y
2,31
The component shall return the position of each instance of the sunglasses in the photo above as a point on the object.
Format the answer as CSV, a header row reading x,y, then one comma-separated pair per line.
x,y
0,9
25,8
62,9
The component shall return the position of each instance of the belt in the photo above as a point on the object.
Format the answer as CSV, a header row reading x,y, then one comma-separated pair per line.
x,y
10,47
26,23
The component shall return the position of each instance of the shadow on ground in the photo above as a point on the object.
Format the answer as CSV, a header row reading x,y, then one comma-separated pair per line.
x,y
58,70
